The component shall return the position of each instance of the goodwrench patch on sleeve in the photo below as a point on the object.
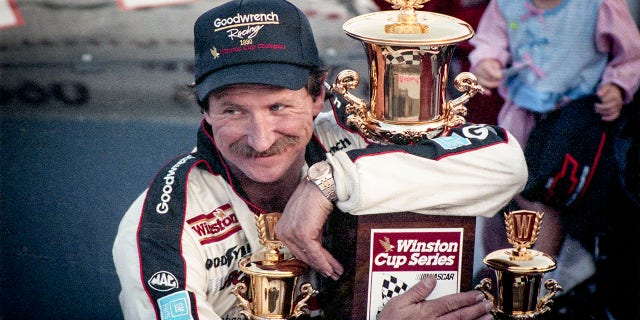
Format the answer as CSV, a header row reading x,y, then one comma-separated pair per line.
x,y
175,306
451,142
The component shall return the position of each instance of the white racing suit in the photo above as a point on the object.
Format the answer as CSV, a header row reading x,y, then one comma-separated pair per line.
x,y
177,248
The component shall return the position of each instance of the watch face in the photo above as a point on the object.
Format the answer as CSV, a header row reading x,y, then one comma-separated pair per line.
x,y
318,170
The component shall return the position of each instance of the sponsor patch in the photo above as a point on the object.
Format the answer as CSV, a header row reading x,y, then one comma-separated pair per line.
x,y
230,256
175,306
216,225
163,206
163,281
451,142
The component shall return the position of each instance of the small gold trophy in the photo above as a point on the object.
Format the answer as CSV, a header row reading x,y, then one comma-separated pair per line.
x,y
520,270
408,52
273,278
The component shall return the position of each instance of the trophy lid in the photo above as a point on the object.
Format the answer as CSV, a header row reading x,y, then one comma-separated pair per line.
x,y
273,259
288,268
507,260
424,29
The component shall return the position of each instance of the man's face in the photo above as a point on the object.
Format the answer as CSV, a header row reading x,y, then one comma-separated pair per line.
x,y
261,130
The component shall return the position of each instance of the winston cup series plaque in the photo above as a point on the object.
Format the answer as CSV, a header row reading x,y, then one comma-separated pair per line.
x,y
402,257
397,250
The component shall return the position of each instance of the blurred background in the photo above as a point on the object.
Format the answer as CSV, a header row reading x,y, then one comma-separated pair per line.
x,y
93,100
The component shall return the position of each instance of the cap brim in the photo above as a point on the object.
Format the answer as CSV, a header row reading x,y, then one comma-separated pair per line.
x,y
288,76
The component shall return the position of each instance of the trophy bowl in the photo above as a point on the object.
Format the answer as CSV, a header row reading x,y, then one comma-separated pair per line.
x,y
408,54
519,271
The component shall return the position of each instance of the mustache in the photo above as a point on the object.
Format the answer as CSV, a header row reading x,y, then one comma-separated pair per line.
x,y
280,145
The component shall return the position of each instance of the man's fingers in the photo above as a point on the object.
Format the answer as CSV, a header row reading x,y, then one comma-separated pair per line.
x,y
319,259
469,303
413,304
415,294
478,310
338,270
313,254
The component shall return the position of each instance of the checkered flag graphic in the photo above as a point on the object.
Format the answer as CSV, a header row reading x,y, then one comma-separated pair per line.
x,y
391,287
403,56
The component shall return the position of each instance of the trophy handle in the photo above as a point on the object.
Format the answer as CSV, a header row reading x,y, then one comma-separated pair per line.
x,y
309,292
485,287
356,108
553,287
468,83
238,291
348,80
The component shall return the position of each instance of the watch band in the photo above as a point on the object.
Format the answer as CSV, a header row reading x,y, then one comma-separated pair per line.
x,y
321,174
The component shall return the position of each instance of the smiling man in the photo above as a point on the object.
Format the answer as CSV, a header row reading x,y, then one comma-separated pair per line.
x,y
263,146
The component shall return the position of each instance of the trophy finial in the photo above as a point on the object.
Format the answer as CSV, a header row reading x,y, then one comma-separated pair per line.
x,y
266,224
523,228
407,4
407,19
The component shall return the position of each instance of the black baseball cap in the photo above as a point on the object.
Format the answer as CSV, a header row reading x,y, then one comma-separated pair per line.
x,y
253,41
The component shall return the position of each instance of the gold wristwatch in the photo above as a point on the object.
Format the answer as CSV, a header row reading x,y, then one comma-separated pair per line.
x,y
321,173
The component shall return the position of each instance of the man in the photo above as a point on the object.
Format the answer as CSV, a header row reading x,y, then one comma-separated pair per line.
x,y
260,85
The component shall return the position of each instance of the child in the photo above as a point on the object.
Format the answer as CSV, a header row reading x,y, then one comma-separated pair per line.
x,y
540,54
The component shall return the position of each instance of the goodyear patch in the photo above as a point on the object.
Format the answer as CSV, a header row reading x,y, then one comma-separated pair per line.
x,y
175,306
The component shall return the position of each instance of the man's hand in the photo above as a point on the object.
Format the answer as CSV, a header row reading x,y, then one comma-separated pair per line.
x,y
458,306
300,229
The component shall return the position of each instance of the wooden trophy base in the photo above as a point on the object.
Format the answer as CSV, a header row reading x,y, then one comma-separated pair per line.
x,y
406,246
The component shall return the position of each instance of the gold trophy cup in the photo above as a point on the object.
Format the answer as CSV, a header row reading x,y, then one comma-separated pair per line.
x,y
273,278
408,52
520,270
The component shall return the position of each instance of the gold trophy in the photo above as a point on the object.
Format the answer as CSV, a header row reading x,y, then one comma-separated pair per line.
x,y
520,270
408,52
273,278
